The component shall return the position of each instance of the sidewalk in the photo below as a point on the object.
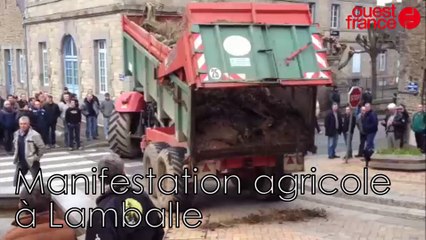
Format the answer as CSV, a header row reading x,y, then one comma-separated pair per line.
x,y
100,142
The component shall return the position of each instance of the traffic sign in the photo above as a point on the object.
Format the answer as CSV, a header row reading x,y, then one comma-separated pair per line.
x,y
354,96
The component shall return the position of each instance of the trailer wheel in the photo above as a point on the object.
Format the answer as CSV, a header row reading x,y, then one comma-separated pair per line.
x,y
170,161
119,137
149,159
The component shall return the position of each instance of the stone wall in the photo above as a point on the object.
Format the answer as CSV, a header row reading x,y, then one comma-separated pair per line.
x,y
11,39
412,59
84,31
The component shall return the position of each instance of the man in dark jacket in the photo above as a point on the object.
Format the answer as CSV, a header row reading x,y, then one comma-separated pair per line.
x,y
369,125
7,120
362,136
109,200
53,112
333,128
345,129
394,124
40,121
90,109
73,121
367,97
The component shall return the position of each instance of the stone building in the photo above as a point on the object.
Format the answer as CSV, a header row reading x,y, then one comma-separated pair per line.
x,y
13,69
413,59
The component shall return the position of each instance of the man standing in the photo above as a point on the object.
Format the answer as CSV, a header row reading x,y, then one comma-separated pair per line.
x,y
8,122
40,118
362,135
22,101
367,97
64,104
370,128
107,106
335,96
40,202
346,129
333,128
115,166
29,148
418,125
90,110
13,103
96,99
394,124
73,120
53,112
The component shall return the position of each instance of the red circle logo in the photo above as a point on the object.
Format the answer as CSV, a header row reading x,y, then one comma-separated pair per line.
x,y
409,18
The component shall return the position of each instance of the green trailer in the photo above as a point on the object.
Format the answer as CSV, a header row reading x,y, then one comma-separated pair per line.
x,y
236,95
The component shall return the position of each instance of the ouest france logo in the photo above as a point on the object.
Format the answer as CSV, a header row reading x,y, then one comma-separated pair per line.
x,y
383,18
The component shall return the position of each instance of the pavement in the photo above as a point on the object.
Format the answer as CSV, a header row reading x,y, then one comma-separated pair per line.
x,y
399,214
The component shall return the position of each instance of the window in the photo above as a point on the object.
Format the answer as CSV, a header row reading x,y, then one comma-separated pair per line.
x,y
335,16
356,63
382,62
312,10
44,64
8,61
101,65
21,66
71,65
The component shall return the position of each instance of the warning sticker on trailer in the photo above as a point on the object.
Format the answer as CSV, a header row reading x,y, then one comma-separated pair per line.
x,y
240,62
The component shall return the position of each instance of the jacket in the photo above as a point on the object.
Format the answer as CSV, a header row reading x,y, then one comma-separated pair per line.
x,y
53,112
107,107
41,231
34,147
359,120
8,119
330,124
346,120
398,125
109,200
418,124
73,116
370,122
85,107
39,119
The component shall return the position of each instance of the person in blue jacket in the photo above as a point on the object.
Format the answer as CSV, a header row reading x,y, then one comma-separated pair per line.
x,y
40,120
8,122
370,127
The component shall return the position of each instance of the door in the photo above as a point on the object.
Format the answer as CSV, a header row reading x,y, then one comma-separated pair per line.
x,y
71,66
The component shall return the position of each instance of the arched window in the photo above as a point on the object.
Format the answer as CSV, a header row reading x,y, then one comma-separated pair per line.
x,y
70,65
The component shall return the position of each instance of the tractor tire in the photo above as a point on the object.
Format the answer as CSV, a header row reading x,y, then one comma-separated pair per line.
x,y
170,161
149,159
119,138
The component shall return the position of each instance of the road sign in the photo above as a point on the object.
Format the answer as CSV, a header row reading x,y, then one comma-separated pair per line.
x,y
413,87
354,96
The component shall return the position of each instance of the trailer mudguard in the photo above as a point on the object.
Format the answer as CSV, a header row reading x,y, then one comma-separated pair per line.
x,y
130,102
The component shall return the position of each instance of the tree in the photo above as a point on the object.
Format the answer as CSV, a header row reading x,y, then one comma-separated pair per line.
x,y
375,43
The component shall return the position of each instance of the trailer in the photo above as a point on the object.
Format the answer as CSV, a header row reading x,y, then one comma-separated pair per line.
x,y
235,95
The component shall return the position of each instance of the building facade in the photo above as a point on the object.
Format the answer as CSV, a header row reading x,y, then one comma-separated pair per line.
x,y
13,68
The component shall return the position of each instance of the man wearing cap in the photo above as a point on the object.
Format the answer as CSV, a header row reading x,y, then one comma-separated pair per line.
x,y
113,168
393,124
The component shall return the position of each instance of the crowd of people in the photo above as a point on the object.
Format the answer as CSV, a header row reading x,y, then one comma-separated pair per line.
x,y
397,125
44,113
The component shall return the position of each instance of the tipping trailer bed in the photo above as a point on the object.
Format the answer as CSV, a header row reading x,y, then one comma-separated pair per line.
x,y
228,48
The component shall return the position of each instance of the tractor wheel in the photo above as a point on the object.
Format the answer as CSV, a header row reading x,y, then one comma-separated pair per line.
x,y
149,159
170,161
264,184
119,138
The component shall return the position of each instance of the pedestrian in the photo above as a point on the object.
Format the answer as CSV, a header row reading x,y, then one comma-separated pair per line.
x,y
333,128
13,103
8,122
405,127
53,112
107,107
367,97
40,124
90,110
394,126
345,129
370,127
67,92
317,112
22,101
29,148
64,104
335,96
362,135
73,120
418,125
122,202
39,201
31,103
24,111
96,99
